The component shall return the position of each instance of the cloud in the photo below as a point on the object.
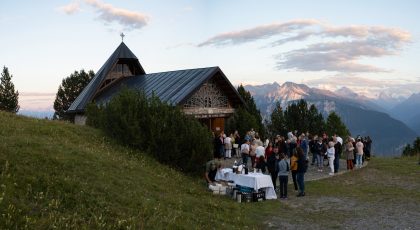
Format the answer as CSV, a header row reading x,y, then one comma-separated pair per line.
x,y
335,48
185,44
259,32
333,56
367,86
128,19
36,101
70,8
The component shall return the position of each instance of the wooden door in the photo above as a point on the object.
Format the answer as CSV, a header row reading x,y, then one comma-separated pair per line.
x,y
217,124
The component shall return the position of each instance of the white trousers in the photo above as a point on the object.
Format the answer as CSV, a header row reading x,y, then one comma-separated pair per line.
x,y
331,163
228,153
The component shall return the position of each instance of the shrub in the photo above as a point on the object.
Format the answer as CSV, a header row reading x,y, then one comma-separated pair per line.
x,y
155,127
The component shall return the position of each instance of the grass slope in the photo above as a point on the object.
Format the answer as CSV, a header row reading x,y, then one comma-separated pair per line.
x,y
57,175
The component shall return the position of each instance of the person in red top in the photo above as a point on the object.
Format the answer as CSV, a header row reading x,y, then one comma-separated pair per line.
x,y
268,150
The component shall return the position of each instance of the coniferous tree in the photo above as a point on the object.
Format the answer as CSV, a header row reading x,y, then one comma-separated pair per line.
x,y
316,121
277,124
408,151
242,121
8,96
251,107
334,125
292,117
416,144
68,91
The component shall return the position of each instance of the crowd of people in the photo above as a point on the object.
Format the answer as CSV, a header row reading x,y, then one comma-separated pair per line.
x,y
292,154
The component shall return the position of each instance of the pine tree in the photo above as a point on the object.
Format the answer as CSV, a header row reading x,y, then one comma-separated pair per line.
x,y
316,121
277,123
408,151
293,118
251,107
68,91
8,96
334,125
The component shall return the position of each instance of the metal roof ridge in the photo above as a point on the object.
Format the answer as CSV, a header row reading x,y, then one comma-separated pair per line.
x,y
210,67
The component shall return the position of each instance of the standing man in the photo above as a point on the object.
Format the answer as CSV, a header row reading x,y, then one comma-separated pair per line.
x,y
272,163
245,152
337,148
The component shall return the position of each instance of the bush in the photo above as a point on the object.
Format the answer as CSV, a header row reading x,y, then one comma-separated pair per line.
x,y
154,127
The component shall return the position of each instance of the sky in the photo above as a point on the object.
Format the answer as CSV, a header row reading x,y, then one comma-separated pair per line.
x,y
371,47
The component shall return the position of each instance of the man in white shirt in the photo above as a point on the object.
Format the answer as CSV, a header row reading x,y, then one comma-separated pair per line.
x,y
245,152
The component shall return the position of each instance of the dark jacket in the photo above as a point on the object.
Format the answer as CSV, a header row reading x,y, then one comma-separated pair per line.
x,y
302,165
271,163
338,149
261,165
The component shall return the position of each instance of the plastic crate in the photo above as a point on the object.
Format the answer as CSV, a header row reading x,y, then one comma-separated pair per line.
x,y
246,197
258,196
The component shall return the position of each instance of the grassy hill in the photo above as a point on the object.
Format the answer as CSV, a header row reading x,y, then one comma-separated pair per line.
x,y
65,176
57,175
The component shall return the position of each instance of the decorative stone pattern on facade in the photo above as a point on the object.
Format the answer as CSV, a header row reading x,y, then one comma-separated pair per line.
x,y
208,96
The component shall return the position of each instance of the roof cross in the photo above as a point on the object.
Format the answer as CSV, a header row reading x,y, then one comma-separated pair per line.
x,y
122,37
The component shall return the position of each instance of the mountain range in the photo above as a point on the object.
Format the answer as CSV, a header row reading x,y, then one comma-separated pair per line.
x,y
362,115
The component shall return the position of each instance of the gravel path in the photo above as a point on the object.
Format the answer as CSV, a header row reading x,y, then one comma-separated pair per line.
x,y
376,209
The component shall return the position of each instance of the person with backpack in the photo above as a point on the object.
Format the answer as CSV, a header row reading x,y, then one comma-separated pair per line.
x,y
283,173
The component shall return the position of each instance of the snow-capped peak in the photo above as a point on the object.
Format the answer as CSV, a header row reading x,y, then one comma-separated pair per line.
x,y
346,92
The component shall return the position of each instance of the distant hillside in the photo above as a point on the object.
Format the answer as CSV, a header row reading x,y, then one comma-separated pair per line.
x,y
37,114
63,176
408,111
361,116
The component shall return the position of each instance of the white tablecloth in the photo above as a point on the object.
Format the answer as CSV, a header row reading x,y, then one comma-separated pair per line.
x,y
224,174
252,180
257,181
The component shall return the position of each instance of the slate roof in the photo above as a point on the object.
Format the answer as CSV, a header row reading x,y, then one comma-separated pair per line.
x,y
174,87
86,96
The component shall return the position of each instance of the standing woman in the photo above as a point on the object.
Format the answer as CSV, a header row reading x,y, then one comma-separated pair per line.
x,y
268,150
294,168
349,154
301,170
283,168
252,154
359,153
